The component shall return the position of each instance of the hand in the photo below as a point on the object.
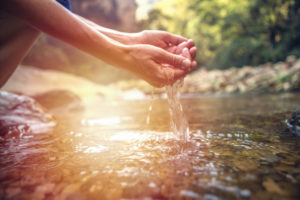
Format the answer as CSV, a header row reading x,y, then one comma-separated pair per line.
x,y
162,39
187,49
167,41
155,65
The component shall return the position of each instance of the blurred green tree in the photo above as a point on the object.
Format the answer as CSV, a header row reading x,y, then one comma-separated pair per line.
x,y
233,32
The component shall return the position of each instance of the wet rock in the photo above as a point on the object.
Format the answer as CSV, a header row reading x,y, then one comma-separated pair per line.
x,y
12,192
60,99
293,123
46,188
72,191
54,176
290,60
189,194
20,114
272,187
270,158
231,89
1,193
246,165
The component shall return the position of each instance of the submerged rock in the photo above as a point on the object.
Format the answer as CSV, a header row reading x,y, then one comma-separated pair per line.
x,y
293,123
20,114
60,99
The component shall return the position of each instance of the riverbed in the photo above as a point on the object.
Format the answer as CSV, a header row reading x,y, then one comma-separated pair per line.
x,y
238,149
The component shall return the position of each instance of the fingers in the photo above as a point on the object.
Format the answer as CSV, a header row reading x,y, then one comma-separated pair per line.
x,y
188,50
172,49
175,39
193,52
180,48
186,53
187,44
194,64
190,43
177,61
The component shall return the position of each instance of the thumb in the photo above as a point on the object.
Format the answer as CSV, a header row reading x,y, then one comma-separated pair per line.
x,y
177,61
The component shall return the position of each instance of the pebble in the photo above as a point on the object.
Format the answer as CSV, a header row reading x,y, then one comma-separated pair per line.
x,y
190,194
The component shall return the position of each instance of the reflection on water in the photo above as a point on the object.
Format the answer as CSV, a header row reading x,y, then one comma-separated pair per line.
x,y
237,150
110,121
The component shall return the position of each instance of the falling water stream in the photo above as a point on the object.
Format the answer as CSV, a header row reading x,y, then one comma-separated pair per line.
x,y
179,123
150,109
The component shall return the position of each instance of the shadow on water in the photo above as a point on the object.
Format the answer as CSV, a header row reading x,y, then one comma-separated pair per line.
x,y
237,150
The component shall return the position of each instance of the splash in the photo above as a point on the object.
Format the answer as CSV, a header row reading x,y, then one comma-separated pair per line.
x,y
179,123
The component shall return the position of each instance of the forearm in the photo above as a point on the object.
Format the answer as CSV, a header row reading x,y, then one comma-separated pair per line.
x,y
122,37
53,19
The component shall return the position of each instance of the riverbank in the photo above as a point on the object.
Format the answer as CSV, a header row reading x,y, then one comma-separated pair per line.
x,y
267,78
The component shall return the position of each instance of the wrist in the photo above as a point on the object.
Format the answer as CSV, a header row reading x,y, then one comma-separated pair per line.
x,y
123,38
120,55
129,39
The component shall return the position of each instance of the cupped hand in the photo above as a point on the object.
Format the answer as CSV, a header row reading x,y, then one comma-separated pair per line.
x,y
157,66
186,49
157,38
167,41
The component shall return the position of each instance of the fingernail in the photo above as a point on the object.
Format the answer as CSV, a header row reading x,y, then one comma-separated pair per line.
x,y
186,64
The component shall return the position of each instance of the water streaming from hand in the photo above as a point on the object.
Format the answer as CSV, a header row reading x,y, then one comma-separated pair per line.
x,y
179,123
150,109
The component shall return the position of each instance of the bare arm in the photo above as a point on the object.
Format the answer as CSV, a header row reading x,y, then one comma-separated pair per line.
x,y
168,41
53,19
147,62
125,38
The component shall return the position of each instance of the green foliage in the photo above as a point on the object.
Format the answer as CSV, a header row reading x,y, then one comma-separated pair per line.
x,y
233,32
284,78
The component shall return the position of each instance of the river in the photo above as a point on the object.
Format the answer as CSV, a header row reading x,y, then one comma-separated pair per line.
x,y
237,149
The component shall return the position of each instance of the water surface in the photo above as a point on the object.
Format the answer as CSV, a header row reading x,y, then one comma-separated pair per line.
x,y
237,150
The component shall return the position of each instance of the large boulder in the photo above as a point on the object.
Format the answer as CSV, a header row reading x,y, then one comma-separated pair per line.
x,y
60,100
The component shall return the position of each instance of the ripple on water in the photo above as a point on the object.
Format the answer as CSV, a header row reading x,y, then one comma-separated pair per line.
x,y
232,161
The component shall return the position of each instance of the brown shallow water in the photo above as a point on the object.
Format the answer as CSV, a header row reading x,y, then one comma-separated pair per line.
x,y
237,150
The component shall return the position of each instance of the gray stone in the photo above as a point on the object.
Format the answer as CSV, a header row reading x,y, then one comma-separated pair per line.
x,y
20,115
293,123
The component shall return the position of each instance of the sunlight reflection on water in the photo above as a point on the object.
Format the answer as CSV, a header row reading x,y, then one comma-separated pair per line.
x,y
236,151
107,121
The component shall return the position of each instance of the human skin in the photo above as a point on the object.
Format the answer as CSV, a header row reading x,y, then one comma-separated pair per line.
x,y
15,41
155,64
165,40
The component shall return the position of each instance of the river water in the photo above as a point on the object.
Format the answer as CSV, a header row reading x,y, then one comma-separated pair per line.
x,y
237,149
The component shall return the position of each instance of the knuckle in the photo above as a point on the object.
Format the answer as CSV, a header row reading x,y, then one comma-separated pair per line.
x,y
175,61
